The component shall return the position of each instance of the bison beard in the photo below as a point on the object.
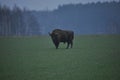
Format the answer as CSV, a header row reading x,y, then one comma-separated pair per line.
x,y
64,36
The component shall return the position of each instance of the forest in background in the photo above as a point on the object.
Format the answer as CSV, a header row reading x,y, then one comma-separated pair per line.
x,y
17,22
90,18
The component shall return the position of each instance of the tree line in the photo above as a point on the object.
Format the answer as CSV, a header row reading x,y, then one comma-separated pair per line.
x,y
90,18
17,22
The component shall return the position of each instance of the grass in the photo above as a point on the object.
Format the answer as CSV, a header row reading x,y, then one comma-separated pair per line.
x,y
93,57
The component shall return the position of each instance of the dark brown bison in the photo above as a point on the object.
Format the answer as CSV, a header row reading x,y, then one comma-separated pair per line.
x,y
64,36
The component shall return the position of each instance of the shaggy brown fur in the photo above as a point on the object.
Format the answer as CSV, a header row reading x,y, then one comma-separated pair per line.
x,y
64,36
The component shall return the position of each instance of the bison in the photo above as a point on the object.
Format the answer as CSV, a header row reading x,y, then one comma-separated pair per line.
x,y
64,36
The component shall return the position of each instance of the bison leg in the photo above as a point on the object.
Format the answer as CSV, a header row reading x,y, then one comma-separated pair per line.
x,y
67,45
56,45
71,44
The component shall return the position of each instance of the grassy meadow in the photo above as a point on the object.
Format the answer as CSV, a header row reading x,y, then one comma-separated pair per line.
x,y
93,57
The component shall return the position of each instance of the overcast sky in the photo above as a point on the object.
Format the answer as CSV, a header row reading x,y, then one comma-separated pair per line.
x,y
44,4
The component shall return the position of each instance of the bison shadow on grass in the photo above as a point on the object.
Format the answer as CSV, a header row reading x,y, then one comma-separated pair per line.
x,y
64,36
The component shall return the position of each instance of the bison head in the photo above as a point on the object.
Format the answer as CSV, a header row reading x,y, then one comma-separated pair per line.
x,y
54,37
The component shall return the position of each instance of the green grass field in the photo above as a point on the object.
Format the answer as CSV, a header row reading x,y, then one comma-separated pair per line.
x,y
93,57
